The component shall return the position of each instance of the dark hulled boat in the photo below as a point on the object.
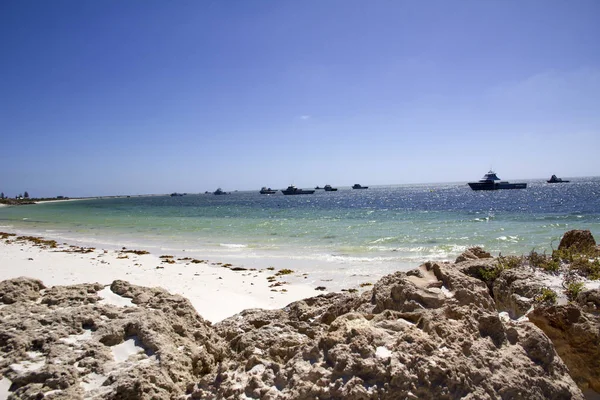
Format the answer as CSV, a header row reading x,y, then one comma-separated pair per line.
x,y
219,192
328,188
357,186
291,190
555,179
490,181
266,190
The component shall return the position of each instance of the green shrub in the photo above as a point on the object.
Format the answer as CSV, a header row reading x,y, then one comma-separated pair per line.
x,y
509,262
547,296
586,267
573,289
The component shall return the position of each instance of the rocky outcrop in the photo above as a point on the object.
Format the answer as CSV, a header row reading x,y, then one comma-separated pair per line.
x,y
67,342
473,253
440,331
581,241
20,289
431,333
575,335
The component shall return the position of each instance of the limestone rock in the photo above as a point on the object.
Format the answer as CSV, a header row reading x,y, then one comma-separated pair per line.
x,y
71,345
576,337
20,289
515,290
431,333
473,253
578,240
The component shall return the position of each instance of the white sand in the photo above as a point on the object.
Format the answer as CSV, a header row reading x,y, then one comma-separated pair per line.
x,y
216,292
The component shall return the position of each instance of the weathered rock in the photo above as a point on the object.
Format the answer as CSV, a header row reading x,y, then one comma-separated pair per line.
x,y
68,343
576,337
578,241
515,291
20,289
473,253
590,300
408,338
431,333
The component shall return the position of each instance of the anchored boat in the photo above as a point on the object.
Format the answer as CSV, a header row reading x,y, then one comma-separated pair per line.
x,y
294,190
490,181
555,179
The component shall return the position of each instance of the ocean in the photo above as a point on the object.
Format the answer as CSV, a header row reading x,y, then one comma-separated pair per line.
x,y
343,238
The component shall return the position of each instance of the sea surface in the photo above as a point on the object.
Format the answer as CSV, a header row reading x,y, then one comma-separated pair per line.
x,y
344,237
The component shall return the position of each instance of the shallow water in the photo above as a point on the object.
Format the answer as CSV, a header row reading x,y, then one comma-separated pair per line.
x,y
335,235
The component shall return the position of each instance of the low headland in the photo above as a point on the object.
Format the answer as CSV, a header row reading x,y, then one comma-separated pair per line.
x,y
74,325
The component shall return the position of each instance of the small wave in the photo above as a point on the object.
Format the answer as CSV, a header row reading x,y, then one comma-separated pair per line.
x,y
233,245
387,239
512,239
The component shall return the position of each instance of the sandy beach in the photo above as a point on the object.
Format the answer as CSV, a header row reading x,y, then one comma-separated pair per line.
x,y
216,290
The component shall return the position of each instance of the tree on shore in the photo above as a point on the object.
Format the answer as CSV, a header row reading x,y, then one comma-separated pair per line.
x,y
26,195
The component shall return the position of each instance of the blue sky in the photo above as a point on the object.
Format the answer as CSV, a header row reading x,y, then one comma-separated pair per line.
x,y
131,97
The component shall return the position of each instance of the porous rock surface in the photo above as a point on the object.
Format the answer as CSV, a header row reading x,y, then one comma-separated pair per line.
x,y
578,240
431,333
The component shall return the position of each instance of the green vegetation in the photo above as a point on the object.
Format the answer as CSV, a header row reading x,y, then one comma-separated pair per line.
x,y
543,261
586,267
547,296
509,262
366,284
573,289
489,274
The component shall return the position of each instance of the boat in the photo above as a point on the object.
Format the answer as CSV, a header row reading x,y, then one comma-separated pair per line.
x,y
219,191
357,186
328,188
294,190
176,194
555,179
490,181
318,188
266,190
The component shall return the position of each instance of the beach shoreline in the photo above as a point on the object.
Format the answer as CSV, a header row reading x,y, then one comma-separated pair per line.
x,y
217,290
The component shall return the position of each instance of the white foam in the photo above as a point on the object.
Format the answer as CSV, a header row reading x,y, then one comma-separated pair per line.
x,y
109,297
233,245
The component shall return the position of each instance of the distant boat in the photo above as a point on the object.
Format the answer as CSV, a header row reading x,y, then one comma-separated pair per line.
x,y
176,194
555,179
266,190
219,192
294,190
318,188
357,186
490,181
328,188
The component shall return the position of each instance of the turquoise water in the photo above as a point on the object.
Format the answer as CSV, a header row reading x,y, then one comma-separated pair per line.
x,y
358,232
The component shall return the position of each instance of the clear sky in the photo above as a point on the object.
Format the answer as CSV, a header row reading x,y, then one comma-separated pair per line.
x,y
131,97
